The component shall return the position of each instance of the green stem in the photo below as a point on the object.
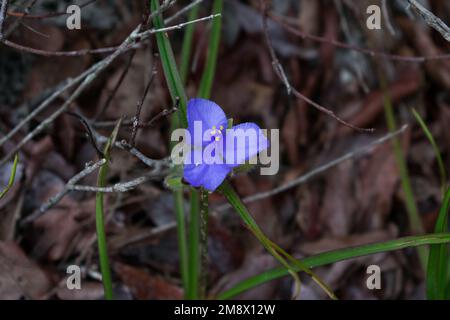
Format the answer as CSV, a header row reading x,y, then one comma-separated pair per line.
x,y
213,49
169,65
100,220
187,44
101,235
203,242
335,256
198,219
181,234
193,246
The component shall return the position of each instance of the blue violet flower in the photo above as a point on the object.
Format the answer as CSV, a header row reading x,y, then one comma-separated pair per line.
x,y
214,149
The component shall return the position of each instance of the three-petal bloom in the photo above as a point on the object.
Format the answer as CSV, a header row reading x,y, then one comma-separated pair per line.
x,y
232,146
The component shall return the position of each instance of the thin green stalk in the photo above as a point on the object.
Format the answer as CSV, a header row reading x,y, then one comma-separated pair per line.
x,y
99,218
437,153
410,202
169,65
213,49
12,176
335,256
438,264
203,243
199,200
193,246
181,234
187,44
232,197
176,90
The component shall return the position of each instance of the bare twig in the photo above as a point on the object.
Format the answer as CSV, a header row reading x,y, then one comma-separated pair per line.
x,y
387,19
433,21
89,132
123,145
3,10
129,43
74,53
163,113
182,11
57,92
306,177
138,36
91,74
18,21
128,122
137,117
145,34
278,68
118,187
67,188
281,74
116,86
159,169
282,21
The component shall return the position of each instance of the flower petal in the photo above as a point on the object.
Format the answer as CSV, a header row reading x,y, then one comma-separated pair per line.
x,y
209,176
206,111
243,142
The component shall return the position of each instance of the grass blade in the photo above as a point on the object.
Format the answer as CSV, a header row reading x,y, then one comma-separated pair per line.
x,y
415,221
437,268
187,44
437,153
169,65
213,50
12,177
232,197
335,256
100,218
437,271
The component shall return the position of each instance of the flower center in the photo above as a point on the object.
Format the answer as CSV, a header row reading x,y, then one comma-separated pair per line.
x,y
216,134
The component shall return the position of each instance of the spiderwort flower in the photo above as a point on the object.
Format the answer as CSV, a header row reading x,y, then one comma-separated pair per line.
x,y
214,153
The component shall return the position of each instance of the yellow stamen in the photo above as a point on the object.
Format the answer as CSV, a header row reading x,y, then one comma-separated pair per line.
x,y
221,127
214,127
217,138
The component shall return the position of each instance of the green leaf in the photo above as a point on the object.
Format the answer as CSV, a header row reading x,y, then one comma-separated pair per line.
x,y
335,256
12,177
232,197
187,44
243,168
211,60
437,270
415,221
437,153
169,64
